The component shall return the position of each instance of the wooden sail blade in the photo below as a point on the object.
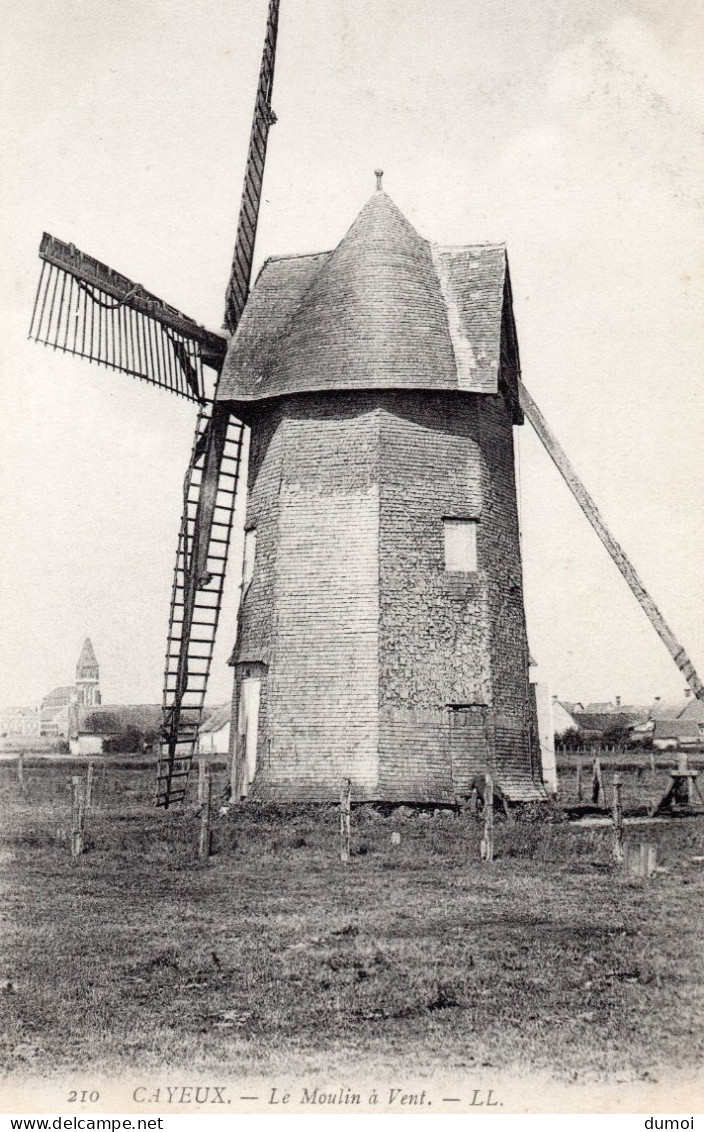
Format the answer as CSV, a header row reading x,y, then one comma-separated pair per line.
x,y
618,555
85,308
262,121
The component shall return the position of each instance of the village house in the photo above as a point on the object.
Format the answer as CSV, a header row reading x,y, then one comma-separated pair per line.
x,y
672,725
126,727
677,734
20,721
562,716
214,732
53,713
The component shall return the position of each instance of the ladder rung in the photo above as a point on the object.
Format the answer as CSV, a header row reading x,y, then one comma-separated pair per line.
x,y
201,640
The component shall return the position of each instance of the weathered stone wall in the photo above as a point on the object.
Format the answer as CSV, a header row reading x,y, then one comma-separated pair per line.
x,y
447,639
433,633
312,610
367,640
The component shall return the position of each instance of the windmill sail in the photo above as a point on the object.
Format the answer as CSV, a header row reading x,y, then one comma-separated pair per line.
x,y
84,307
209,490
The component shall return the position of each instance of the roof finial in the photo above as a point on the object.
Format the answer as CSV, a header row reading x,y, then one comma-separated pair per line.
x,y
378,173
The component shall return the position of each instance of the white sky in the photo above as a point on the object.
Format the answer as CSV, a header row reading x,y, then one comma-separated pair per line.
x,y
570,128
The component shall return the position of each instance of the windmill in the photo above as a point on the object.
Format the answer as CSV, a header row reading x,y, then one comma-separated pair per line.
x,y
377,308
85,308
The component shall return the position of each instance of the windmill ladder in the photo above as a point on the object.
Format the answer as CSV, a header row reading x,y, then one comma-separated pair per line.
x,y
195,609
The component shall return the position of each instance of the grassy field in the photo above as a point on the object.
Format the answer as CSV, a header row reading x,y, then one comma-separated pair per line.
x,y
276,959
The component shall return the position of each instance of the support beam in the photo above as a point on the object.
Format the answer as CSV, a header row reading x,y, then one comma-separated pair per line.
x,y
590,509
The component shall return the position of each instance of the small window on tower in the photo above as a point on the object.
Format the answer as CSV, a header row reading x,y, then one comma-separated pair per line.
x,y
460,545
250,549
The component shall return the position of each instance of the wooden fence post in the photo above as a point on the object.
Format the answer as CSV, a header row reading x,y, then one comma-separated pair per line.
x,y
204,840
78,813
617,820
579,780
597,782
345,806
202,772
487,844
89,785
20,772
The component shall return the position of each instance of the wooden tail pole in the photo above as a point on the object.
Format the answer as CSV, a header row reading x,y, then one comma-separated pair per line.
x,y
202,775
345,807
622,562
618,820
78,813
487,844
89,785
20,772
205,839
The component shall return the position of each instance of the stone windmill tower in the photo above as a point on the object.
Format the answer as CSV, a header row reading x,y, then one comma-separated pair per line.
x,y
381,634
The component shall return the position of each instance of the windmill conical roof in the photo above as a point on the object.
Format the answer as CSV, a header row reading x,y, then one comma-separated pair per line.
x,y
87,659
385,309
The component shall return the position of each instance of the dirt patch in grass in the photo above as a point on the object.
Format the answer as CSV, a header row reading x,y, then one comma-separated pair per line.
x,y
275,958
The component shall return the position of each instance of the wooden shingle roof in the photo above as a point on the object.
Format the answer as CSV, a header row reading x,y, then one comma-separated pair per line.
x,y
676,729
385,310
216,719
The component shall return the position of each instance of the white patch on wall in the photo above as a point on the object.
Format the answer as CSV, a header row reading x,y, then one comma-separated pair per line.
x,y
460,545
250,550
546,735
248,726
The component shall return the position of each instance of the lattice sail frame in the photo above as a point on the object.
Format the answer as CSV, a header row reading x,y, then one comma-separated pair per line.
x,y
85,308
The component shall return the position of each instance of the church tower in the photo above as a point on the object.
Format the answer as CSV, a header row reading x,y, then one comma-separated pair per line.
x,y
87,676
